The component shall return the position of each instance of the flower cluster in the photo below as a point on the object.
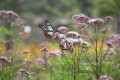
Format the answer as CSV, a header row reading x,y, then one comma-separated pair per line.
x,y
39,61
12,16
96,21
25,73
80,18
4,61
104,77
114,40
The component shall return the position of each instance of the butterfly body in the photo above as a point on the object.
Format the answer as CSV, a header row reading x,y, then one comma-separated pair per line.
x,y
48,29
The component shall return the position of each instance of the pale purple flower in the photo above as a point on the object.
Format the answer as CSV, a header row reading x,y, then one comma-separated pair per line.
x,y
80,18
27,63
56,35
44,49
39,61
73,34
2,12
73,41
26,51
9,52
114,40
96,21
54,54
111,52
9,14
32,74
5,61
109,18
63,29
104,77
24,72
18,73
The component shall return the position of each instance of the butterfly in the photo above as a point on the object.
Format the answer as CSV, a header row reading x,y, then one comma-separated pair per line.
x,y
64,45
48,29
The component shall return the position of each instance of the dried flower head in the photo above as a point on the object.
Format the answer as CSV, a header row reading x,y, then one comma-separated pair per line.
x,y
63,29
80,18
104,77
96,21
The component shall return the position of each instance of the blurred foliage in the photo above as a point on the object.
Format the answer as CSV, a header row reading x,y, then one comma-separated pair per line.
x,y
106,7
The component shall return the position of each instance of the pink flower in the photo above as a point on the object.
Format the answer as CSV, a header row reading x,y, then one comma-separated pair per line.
x,y
44,49
9,52
26,51
96,21
5,61
109,18
27,64
54,54
32,74
39,61
2,12
104,77
80,18
24,71
56,35
73,34
63,29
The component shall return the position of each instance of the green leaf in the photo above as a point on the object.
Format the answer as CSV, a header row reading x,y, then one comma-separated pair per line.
x,y
8,31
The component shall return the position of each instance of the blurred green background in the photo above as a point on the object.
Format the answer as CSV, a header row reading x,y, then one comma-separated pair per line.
x,y
59,12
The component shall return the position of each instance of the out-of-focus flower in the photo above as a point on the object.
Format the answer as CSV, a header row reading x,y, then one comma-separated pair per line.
x,y
9,14
56,35
109,18
26,51
27,29
27,63
9,52
32,74
114,40
54,54
103,31
73,34
17,73
24,72
80,18
63,29
109,44
39,61
4,61
104,77
111,52
44,49
73,41
96,21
